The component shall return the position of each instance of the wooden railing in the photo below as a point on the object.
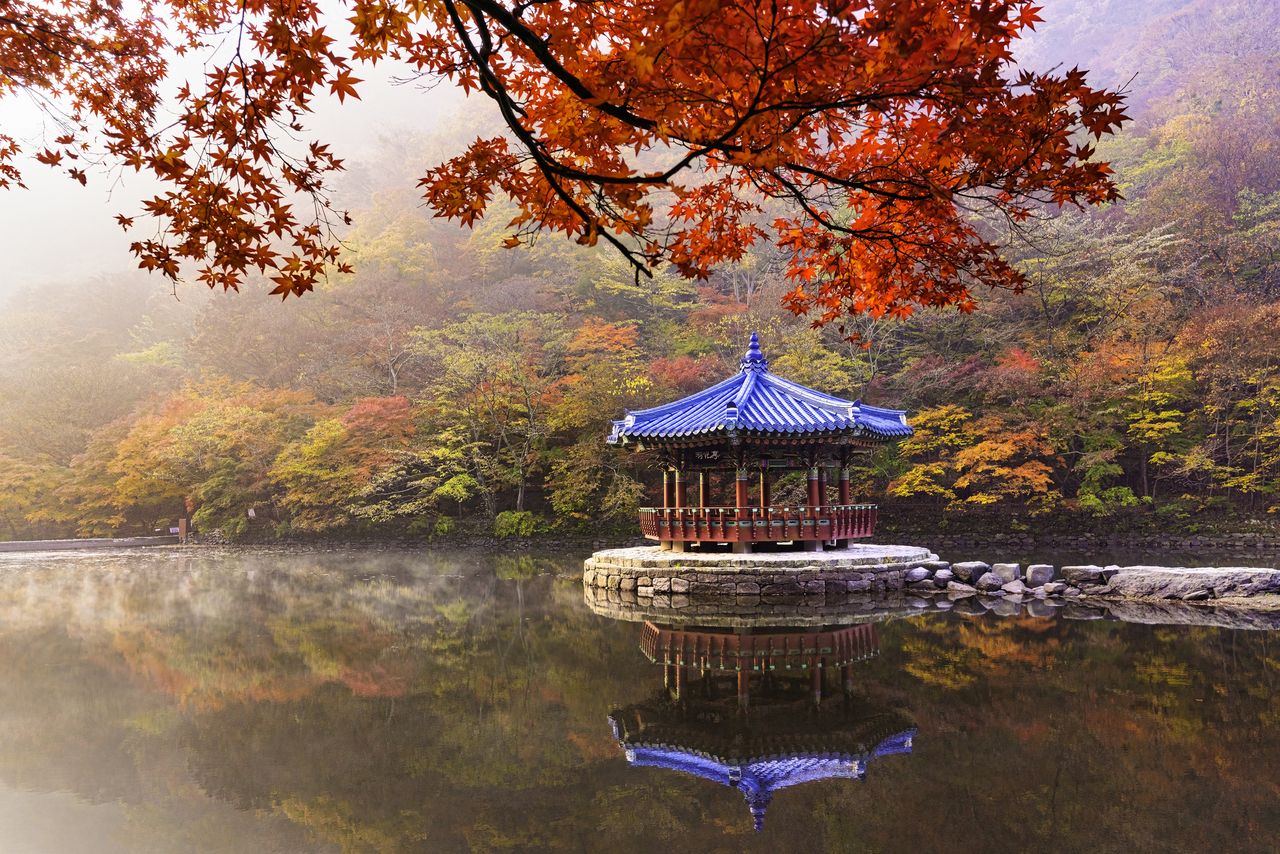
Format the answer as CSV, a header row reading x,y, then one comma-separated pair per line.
x,y
758,524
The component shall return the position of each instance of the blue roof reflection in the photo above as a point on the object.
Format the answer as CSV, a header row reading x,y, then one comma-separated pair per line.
x,y
759,778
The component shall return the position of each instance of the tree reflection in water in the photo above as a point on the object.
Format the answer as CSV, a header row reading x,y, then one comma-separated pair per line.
x,y
399,701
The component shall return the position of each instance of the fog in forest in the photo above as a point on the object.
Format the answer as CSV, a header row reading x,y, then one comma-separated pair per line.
x,y
453,384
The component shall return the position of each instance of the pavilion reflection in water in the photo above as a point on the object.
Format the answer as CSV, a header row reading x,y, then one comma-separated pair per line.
x,y
760,709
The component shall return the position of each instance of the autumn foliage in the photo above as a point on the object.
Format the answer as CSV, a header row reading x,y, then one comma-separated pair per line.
x,y
452,387
861,137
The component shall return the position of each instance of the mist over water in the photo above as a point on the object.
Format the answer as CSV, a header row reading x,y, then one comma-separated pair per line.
x,y
393,700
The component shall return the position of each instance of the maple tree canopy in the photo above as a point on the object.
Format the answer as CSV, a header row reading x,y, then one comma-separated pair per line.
x,y
859,136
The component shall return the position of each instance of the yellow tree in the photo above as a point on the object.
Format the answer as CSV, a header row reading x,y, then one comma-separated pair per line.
x,y
940,432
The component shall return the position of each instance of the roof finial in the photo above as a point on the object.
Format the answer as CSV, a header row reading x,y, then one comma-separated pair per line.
x,y
754,360
757,801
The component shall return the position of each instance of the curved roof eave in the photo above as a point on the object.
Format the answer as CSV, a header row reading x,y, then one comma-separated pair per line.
x,y
699,396
757,402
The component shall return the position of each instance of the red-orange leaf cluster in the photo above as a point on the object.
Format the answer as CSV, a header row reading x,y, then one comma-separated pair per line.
x,y
861,133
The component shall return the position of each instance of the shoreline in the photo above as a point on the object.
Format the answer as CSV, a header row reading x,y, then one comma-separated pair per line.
x,y
1251,545
87,543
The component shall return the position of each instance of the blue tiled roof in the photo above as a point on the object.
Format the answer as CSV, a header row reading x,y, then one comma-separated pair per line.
x,y
759,778
758,401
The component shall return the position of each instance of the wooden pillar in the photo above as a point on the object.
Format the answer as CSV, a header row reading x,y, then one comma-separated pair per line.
x,y
668,488
812,545
740,494
744,688
822,486
765,496
681,678
816,683
682,501
741,497
704,489
843,500
676,500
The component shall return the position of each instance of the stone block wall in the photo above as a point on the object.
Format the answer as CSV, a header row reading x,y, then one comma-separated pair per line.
x,y
631,576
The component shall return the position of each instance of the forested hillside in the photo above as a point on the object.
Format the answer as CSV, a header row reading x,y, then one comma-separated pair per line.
x,y
452,384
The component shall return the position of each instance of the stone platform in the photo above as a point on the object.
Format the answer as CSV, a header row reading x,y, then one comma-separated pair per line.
x,y
648,571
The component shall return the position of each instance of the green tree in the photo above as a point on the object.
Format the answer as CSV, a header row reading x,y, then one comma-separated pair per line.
x,y
494,379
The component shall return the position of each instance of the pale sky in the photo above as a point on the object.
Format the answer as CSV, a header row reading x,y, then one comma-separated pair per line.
x,y
57,230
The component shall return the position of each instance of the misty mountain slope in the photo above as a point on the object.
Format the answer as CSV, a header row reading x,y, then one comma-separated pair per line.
x,y
450,380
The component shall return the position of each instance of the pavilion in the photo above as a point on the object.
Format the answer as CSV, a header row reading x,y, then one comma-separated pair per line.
x,y
757,426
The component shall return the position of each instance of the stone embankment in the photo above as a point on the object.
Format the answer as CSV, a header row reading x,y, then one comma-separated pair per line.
x,y
1049,584
1047,542
649,571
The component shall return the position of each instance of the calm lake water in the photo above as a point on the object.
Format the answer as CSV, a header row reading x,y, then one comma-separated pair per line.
x,y
276,701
